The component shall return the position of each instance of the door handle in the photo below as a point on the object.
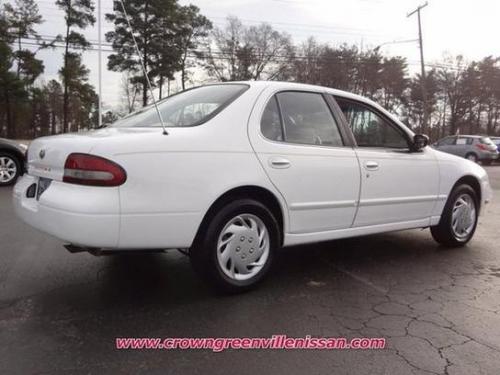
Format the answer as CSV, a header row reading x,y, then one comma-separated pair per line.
x,y
279,163
371,165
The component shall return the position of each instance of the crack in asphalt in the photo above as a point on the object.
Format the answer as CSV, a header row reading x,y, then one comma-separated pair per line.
x,y
412,315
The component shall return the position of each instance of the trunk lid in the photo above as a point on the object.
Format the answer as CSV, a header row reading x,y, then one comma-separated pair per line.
x,y
47,155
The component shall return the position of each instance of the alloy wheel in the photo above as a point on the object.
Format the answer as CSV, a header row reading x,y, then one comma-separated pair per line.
x,y
8,169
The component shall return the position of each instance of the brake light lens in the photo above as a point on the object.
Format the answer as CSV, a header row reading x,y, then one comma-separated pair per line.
x,y
91,170
482,147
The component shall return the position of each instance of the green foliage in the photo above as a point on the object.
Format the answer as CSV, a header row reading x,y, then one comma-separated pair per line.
x,y
17,21
164,33
23,16
77,13
77,93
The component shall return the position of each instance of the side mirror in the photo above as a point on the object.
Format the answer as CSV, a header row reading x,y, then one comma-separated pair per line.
x,y
419,142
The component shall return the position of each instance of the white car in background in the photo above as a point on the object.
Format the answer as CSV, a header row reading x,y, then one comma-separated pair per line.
x,y
246,168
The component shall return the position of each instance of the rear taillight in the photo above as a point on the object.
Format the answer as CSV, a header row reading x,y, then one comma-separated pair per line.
x,y
85,169
482,147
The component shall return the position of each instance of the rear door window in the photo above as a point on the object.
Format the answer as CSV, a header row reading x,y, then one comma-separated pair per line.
x,y
307,119
463,141
270,124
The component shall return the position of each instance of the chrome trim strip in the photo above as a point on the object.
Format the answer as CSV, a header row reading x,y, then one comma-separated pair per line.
x,y
321,205
401,200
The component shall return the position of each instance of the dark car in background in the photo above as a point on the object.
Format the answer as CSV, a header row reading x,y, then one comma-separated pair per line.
x,y
12,158
473,147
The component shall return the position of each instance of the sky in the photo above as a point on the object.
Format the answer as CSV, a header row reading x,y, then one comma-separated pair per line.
x,y
449,27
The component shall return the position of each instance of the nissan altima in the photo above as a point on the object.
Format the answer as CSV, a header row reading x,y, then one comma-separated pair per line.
x,y
242,169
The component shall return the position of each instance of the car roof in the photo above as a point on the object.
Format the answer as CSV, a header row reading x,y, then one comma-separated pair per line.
x,y
304,86
467,135
280,85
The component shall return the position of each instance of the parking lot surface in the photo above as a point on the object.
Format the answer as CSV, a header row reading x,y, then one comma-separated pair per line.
x,y
439,309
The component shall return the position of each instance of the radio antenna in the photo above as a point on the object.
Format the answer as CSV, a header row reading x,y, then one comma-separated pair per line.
x,y
143,68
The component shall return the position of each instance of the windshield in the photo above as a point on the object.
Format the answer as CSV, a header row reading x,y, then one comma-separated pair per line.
x,y
188,108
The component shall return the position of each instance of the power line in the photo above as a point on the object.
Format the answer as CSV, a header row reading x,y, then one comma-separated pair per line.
x,y
327,29
219,55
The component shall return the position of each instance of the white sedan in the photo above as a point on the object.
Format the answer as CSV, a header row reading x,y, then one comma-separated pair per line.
x,y
246,168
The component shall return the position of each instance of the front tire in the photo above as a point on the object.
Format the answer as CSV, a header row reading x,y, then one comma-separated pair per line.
x,y
459,219
237,247
10,169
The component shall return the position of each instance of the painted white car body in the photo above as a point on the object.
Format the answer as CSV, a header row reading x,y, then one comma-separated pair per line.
x,y
172,181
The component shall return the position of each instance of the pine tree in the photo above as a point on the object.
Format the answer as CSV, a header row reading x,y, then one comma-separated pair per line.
x,y
18,21
78,14
193,31
80,102
153,24
23,16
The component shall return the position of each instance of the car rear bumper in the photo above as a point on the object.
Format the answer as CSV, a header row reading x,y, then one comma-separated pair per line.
x,y
80,215
488,156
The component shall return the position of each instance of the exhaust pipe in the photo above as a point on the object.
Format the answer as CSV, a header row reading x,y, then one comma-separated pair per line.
x,y
96,251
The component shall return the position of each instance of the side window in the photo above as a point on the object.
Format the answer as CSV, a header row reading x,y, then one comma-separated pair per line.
x,y
447,141
370,129
307,119
464,141
270,124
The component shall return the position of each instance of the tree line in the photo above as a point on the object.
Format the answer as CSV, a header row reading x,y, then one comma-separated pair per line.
x,y
180,47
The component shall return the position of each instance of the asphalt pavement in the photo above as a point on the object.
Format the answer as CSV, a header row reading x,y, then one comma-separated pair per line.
x,y
439,309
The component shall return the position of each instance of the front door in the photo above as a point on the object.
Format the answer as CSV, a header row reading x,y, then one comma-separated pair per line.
x,y
396,185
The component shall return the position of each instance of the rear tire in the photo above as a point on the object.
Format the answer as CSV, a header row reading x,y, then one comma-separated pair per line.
x,y
236,248
459,218
472,157
10,168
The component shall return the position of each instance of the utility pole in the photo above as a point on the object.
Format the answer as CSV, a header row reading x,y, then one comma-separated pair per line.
x,y
422,66
99,109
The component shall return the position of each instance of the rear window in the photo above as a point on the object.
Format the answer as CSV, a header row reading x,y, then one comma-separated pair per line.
x,y
188,108
486,141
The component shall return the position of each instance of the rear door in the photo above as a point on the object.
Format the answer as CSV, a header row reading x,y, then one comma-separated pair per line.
x,y
307,156
462,146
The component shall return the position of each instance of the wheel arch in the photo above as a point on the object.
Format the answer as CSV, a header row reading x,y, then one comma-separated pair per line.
x,y
474,183
260,194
